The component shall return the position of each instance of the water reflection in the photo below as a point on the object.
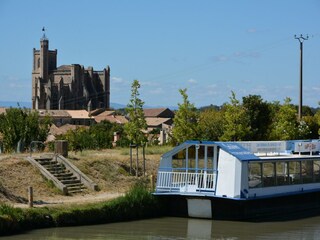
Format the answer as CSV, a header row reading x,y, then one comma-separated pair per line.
x,y
182,228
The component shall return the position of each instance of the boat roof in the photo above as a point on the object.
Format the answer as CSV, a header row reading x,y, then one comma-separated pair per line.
x,y
238,151
233,148
243,152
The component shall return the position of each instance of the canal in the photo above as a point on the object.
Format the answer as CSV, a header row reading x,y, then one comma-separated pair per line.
x,y
182,228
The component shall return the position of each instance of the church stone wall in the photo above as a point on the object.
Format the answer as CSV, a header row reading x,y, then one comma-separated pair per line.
x,y
69,87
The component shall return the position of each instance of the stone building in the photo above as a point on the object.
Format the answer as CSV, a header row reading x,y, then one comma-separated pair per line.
x,y
71,87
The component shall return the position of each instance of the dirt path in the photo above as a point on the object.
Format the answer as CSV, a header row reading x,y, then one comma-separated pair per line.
x,y
67,200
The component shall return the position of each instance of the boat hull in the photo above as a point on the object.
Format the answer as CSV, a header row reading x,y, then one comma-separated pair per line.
x,y
293,206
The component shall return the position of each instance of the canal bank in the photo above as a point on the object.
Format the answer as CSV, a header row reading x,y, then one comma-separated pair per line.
x,y
138,203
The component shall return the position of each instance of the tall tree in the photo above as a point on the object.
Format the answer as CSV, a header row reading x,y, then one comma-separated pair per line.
x,y
185,120
137,122
285,125
317,120
259,114
211,124
236,121
313,125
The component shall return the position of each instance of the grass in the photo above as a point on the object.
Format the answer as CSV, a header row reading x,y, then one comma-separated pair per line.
x,y
110,168
149,150
50,184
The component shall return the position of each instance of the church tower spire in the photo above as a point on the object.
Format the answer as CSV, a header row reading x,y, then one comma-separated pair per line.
x,y
44,56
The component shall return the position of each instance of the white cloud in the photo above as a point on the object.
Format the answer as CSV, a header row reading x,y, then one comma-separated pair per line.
x,y
242,54
156,91
316,89
149,84
221,58
192,81
252,30
16,85
117,80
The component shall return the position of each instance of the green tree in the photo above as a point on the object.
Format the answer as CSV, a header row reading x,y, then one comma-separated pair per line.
x,y
317,120
259,114
236,121
137,122
285,125
102,134
185,120
211,124
22,126
79,139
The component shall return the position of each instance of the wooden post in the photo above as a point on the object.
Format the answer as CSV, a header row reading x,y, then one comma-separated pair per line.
x,y
137,162
30,197
144,160
152,182
130,159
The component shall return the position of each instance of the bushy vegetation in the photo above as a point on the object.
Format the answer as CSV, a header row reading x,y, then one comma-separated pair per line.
x,y
97,136
138,203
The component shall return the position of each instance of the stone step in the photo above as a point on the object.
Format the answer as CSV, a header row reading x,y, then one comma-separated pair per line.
x,y
58,172
76,189
64,174
70,181
51,162
55,168
43,163
63,178
43,159
71,185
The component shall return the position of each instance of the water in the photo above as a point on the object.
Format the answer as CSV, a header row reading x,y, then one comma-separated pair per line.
x,y
182,228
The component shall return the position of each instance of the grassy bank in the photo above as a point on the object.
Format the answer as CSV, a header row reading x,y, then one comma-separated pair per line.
x,y
138,203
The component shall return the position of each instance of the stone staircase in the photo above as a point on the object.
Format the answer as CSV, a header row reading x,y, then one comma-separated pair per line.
x,y
68,178
72,182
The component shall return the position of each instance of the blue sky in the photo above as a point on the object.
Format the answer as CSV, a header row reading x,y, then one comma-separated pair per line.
x,y
209,47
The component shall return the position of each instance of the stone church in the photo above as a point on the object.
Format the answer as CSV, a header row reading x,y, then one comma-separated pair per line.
x,y
70,87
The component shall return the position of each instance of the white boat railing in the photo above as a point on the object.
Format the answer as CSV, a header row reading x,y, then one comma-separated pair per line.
x,y
186,182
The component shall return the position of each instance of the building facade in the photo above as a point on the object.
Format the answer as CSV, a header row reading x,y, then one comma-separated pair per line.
x,y
70,87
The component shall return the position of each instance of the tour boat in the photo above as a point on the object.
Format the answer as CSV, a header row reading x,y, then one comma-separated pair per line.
x,y
241,180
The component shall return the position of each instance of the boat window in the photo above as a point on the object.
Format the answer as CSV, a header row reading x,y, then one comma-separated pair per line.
x,y
210,158
316,171
179,159
191,158
295,172
283,173
255,173
201,157
307,171
269,174
282,177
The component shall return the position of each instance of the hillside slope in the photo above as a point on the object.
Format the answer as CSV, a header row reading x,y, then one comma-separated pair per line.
x,y
108,168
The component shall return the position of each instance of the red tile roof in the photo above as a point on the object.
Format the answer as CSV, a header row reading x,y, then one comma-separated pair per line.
x,y
158,112
111,118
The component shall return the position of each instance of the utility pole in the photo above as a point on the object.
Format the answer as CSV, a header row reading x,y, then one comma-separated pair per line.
x,y
301,39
